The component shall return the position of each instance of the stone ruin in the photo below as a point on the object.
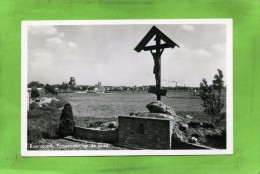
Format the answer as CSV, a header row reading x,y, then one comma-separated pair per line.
x,y
160,128
159,110
185,133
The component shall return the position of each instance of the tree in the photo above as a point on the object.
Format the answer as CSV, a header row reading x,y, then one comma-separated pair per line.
x,y
63,86
50,89
35,84
66,121
35,93
211,95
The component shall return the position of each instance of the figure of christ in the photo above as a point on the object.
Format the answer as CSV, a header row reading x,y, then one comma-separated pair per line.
x,y
157,66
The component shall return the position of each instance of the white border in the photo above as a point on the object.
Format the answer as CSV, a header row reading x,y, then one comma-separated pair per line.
x,y
229,82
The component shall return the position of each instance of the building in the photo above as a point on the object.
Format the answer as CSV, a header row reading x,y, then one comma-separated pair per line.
x,y
72,82
99,88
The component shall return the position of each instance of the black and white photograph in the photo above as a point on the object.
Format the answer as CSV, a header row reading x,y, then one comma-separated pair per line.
x,y
127,87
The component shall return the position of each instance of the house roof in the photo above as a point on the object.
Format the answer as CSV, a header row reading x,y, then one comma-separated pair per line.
x,y
155,31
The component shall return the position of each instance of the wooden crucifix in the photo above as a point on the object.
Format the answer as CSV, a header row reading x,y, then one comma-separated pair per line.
x,y
156,51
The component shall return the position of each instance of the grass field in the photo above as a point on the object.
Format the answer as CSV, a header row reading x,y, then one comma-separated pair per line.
x,y
122,103
91,110
109,106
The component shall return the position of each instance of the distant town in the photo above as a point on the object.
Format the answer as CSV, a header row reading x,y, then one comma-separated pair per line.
x,y
72,87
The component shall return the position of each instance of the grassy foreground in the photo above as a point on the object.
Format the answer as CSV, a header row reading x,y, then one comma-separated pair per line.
x,y
43,124
43,117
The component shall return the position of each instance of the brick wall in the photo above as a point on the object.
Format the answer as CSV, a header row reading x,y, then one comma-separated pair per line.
x,y
109,136
143,132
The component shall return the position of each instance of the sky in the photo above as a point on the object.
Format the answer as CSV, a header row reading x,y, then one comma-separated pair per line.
x,y
105,53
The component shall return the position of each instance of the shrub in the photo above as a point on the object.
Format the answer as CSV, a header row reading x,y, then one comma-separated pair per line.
x,y
33,105
224,133
66,121
51,131
50,89
45,112
57,104
35,93
194,123
43,122
49,108
42,128
34,135
207,124
35,113
221,117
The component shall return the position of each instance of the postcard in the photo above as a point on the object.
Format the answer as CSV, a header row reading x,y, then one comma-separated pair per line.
x,y
127,87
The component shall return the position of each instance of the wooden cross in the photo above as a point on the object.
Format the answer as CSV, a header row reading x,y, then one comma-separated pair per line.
x,y
156,51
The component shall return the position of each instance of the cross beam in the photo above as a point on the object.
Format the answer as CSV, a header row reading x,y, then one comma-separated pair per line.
x,y
153,47
154,90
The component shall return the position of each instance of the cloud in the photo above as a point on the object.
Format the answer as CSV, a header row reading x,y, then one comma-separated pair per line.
x,y
62,34
54,41
191,54
53,37
219,47
202,52
59,43
48,30
39,58
72,45
187,27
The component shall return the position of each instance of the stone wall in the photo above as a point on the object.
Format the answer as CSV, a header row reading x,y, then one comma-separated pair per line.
x,y
144,132
108,136
137,133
